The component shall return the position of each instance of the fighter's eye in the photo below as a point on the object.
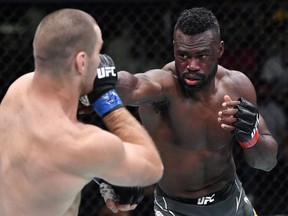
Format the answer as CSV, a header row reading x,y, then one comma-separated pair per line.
x,y
183,56
202,56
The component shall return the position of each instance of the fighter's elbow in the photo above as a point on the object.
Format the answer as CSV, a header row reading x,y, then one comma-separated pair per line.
x,y
269,166
156,172
160,172
265,165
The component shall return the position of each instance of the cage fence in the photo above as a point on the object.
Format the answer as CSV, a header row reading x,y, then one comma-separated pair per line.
x,y
138,36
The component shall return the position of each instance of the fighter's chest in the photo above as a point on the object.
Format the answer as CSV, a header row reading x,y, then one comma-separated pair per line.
x,y
196,117
195,125
194,113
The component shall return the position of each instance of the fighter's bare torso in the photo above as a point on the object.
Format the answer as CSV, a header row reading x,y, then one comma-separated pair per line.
x,y
196,151
27,161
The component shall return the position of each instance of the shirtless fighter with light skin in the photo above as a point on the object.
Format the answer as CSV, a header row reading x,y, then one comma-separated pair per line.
x,y
46,155
192,110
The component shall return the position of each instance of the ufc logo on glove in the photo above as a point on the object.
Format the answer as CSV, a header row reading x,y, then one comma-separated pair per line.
x,y
103,98
105,72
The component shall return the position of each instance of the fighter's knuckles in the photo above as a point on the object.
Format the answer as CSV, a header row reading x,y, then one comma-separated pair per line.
x,y
230,104
227,127
228,112
228,120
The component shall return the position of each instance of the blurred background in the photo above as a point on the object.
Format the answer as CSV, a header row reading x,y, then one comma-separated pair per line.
x,y
138,36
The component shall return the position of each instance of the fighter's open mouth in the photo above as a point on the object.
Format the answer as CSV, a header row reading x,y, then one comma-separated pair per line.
x,y
191,81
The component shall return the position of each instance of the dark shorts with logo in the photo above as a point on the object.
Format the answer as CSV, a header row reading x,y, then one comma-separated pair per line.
x,y
230,201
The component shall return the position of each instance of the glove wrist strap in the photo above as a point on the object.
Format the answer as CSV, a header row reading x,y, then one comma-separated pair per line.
x,y
108,102
251,142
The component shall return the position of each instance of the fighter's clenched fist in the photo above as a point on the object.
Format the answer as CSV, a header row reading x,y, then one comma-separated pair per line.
x,y
242,118
103,98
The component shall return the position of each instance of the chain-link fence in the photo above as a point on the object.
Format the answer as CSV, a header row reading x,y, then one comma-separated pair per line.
x,y
138,35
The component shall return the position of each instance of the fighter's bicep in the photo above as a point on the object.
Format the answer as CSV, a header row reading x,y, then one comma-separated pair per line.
x,y
245,88
130,168
92,152
108,152
120,163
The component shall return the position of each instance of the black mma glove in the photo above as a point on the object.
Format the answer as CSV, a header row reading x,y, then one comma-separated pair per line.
x,y
123,195
103,97
246,131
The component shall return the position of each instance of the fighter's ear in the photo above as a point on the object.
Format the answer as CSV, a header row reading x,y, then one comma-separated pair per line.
x,y
220,49
174,47
80,61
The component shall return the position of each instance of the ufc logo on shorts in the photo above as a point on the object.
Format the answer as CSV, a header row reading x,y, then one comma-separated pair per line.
x,y
105,72
205,200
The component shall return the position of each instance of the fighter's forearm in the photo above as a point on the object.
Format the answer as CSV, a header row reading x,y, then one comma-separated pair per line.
x,y
121,123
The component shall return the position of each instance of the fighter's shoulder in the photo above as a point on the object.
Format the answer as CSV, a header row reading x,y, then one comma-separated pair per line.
x,y
170,67
20,82
168,70
232,76
17,88
165,73
237,82
23,78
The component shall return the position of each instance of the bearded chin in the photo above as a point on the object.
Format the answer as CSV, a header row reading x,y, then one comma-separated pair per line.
x,y
189,90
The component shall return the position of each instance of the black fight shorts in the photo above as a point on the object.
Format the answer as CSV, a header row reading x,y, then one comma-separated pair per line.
x,y
230,201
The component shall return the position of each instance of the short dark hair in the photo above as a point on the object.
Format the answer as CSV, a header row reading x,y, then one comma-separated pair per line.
x,y
197,20
61,34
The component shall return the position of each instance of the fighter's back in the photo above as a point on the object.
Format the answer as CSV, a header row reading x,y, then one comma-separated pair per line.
x,y
27,138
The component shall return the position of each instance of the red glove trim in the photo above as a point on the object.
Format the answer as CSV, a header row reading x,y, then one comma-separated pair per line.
x,y
250,143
